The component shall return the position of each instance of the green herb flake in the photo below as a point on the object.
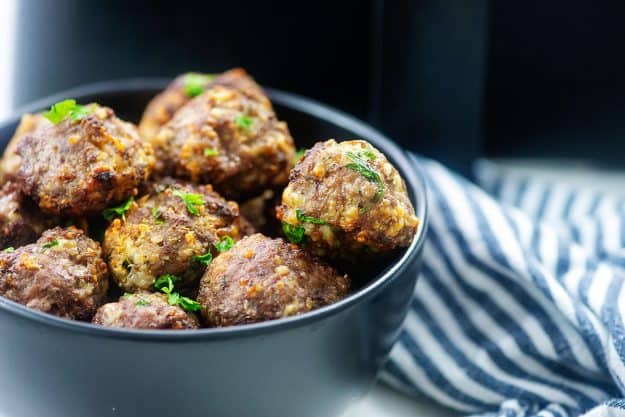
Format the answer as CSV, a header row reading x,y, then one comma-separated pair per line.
x,y
206,259
66,108
369,155
244,122
80,111
112,212
225,244
142,302
195,83
294,233
192,201
302,218
173,298
166,283
210,152
10,249
50,244
361,166
188,304
299,154
157,214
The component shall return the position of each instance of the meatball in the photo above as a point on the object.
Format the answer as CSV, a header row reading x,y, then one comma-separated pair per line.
x,y
164,233
228,139
344,199
264,279
84,163
145,311
21,221
162,107
61,274
10,162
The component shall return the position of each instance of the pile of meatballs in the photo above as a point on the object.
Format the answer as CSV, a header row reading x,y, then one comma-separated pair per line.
x,y
203,215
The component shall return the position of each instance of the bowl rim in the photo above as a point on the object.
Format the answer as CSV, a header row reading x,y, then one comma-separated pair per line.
x,y
408,167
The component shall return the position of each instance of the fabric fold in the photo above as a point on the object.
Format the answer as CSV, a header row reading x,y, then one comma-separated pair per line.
x,y
519,307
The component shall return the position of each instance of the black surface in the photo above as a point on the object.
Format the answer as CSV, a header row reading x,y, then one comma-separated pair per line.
x,y
413,68
307,366
451,79
556,80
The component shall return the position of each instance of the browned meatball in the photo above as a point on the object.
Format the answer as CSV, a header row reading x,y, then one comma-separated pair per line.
x,y
229,139
182,89
145,311
264,279
21,221
162,234
82,165
346,198
61,274
10,162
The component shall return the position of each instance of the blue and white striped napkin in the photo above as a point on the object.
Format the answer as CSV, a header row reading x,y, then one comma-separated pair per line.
x,y
519,307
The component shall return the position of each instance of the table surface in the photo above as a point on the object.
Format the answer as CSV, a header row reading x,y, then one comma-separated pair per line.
x,y
383,401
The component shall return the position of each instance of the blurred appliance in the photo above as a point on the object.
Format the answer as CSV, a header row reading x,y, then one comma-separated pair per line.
x,y
452,79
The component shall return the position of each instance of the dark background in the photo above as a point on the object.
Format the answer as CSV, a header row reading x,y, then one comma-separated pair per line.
x,y
454,79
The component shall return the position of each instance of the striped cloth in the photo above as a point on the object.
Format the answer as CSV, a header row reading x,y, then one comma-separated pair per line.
x,y
519,307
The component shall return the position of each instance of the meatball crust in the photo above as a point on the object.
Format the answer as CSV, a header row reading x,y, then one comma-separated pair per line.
x,y
229,139
80,167
346,198
21,221
265,279
145,311
162,236
61,274
162,107
11,161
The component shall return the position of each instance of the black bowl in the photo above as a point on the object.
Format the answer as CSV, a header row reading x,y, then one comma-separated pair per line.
x,y
312,365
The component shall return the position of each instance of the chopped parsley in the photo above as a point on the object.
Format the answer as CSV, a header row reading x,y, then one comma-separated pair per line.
x,y
142,302
369,155
112,212
244,122
206,259
66,108
210,152
225,244
299,154
294,233
297,233
10,249
157,214
166,283
192,201
194,83
188,304
302,218
361,166
50,244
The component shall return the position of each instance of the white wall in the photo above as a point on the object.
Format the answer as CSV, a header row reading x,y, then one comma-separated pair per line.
x,y
8,27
